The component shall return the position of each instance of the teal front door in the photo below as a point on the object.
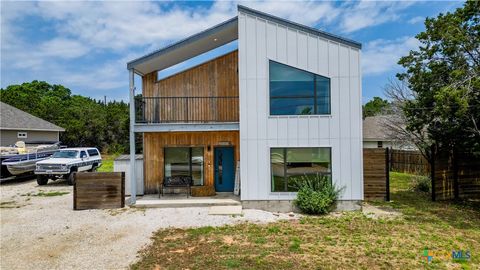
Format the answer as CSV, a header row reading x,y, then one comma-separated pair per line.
x,y
224,169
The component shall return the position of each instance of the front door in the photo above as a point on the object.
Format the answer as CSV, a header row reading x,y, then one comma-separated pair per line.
x,y
224,169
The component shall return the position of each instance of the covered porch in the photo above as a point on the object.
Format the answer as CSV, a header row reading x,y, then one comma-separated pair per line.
x,y
209,159
189,121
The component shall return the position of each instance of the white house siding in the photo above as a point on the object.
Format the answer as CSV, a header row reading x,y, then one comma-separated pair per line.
x,y
261,40
374,144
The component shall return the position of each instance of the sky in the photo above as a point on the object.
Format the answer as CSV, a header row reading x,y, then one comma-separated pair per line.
x,y
85,45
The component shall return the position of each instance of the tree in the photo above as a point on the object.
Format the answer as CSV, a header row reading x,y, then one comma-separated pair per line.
x,y
87,122
376,106
444,77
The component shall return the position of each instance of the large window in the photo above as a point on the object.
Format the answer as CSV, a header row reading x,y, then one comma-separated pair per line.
x,y
288,164
185,161
297,92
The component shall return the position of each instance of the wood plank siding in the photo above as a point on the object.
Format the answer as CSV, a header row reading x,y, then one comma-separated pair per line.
x,y
155,142
205,93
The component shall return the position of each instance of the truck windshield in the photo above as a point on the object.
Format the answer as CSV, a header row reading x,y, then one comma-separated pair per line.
x,y
65,154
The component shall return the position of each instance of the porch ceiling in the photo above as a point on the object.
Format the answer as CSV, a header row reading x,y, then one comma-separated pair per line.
x,y
192,46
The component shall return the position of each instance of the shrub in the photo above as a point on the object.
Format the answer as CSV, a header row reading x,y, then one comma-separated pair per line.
x,y
316,194
421,184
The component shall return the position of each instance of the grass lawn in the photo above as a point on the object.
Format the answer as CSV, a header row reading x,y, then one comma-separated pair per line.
x,y
107,163
348,241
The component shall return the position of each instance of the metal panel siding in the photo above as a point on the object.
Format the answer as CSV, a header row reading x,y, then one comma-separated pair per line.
x,y
263,41
302,51
312,54
323,57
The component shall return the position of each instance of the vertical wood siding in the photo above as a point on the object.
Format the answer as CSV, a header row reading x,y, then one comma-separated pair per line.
x,y
154,143
261,40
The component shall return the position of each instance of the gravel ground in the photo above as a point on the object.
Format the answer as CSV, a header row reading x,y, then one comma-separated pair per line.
x,y
43,232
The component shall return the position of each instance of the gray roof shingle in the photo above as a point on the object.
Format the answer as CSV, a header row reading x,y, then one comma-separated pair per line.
x,y
14,119
376,128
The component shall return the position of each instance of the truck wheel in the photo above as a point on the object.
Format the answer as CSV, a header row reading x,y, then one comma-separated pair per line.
x,y
71,178
94,168
42,180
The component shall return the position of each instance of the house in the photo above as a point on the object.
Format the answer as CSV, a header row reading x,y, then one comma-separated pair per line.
x,y
17,125
285,104
377,134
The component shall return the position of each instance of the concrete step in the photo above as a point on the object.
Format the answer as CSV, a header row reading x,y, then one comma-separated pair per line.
x,y
176,203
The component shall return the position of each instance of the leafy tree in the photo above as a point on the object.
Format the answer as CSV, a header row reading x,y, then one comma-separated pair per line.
x,y
376,106
444,76
87,122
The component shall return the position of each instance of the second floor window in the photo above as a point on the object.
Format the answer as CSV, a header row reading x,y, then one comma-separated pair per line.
x,y
297,92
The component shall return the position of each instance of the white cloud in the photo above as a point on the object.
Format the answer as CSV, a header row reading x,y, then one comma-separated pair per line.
x,y
304,12
417,19
121,31
381,55
359,15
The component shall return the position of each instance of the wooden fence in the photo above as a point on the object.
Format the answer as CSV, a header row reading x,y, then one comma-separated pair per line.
x,y
99,190
412,162
456,175
376,174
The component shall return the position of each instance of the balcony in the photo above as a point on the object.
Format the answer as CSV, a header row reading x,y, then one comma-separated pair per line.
x,y
155,110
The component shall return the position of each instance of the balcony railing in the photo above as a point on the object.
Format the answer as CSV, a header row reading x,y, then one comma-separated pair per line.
x,y
186,109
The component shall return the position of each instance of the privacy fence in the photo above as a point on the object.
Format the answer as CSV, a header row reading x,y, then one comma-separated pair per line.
x,y
406,161
376,176
455,174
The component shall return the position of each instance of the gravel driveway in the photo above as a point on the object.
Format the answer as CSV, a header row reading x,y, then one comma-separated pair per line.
x,y
43,232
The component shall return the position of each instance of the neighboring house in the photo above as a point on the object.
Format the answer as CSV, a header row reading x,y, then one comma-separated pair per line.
x,y
285,104
17,125
376,134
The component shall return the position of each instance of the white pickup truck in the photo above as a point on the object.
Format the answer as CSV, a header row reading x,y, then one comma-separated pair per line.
x,y
67,161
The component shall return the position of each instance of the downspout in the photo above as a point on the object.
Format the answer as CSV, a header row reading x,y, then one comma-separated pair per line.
x,y
133,182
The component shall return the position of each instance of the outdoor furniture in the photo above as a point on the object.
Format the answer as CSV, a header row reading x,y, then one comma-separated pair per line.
x,y
184,182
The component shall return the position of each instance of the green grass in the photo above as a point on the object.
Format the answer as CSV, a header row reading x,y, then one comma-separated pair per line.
x,y
347,241
107,163
402,181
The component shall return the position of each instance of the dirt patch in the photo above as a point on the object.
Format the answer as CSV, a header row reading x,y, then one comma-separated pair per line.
x,y
380,212
43,232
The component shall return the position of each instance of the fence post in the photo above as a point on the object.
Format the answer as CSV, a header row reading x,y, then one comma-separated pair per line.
x,y
455,175
432,169
387,168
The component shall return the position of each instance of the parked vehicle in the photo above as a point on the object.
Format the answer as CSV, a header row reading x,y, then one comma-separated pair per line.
x,y
22,157
66,162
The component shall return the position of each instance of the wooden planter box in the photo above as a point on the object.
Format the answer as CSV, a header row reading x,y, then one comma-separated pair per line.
x,y
99,190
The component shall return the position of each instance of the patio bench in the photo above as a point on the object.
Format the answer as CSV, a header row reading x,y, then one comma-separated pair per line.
x,y
184,182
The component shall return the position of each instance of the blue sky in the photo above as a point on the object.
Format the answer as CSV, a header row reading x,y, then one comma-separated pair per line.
x,y
85,45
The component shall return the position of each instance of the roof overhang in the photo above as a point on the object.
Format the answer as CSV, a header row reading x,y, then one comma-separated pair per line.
x,y
192,46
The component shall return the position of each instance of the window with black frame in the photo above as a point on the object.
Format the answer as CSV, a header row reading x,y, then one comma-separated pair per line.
x,y
297,92
184,161
290,164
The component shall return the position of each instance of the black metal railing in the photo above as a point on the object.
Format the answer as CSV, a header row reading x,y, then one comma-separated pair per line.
x,y
186,109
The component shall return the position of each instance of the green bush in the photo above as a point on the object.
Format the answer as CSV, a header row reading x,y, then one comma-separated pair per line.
x,y
421,184
316,194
